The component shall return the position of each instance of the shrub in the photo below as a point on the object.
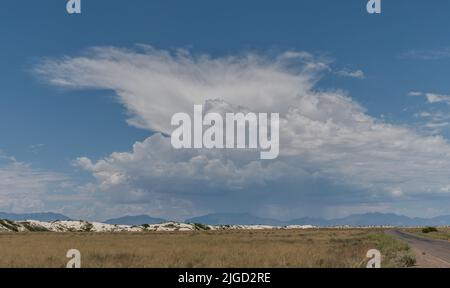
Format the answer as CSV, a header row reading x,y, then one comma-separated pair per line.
x,y
202,227
429,230
408,260
88,227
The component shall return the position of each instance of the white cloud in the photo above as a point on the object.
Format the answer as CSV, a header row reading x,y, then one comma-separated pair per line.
x,y
396,192
324,134
430,54
434,116
437,125
156,84
22,188
359,74
438,98
433,121
415,93
432,97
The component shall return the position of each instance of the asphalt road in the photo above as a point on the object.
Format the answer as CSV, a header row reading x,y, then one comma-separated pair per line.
x,y
437,248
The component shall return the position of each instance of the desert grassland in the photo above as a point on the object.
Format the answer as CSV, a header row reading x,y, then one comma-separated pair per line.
x,y
442,234
210,249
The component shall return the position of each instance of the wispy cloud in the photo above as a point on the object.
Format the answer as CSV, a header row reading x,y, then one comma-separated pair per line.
x,y
434,115
428,54
23,188
432,98
438,98
359,74
438,125
433,121
415,93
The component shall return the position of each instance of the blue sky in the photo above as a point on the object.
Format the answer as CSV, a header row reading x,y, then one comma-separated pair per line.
x,y
376,60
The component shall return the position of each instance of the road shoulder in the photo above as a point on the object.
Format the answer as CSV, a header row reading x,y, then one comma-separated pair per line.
x,y
421,249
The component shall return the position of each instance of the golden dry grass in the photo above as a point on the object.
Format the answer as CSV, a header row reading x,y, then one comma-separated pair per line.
x,y
241,249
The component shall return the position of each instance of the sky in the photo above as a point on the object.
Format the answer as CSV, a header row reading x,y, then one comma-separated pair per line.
x,y
86,102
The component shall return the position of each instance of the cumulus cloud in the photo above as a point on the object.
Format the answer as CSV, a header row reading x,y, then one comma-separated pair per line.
x,y
325,136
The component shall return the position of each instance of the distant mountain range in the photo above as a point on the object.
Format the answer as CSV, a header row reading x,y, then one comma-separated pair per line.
x,y
135,220
369,219
45,217
234,219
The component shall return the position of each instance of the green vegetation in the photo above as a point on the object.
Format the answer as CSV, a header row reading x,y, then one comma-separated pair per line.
x,y
427,230
201,227
408,260
440,234
88,227
395,252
